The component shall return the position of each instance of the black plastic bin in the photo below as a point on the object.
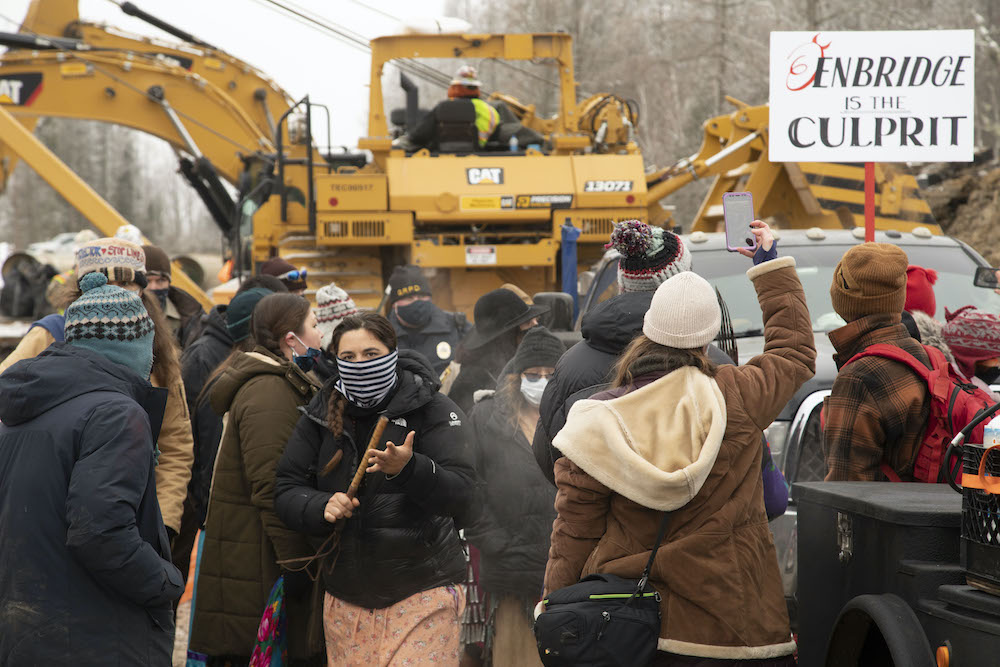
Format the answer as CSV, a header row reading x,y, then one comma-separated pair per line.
x,y
857,538
981,523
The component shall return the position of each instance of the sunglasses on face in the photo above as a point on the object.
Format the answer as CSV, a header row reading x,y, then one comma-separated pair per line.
x,y
297,274
535,377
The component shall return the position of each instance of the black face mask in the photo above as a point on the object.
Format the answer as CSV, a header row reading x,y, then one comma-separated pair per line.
x,y
989,375
416,315
161,296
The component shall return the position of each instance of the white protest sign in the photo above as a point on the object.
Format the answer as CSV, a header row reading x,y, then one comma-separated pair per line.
x,y
901,96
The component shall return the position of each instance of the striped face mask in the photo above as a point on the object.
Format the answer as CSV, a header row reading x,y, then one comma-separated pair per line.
x,y
366,383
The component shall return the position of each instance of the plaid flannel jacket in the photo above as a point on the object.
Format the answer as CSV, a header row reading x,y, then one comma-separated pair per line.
x,y
878,409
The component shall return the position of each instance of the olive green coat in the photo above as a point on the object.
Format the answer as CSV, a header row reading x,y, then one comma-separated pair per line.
x,y
260,394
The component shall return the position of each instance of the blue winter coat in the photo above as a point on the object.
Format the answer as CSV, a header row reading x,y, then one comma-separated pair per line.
x,y
85,572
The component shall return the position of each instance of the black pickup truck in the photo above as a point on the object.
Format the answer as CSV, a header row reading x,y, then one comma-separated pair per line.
x,y
795,437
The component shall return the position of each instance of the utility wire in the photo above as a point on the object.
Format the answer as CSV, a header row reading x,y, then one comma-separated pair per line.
x,y
136,89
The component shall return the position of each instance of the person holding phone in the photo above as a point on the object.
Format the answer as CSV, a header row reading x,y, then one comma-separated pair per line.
x,y
678,434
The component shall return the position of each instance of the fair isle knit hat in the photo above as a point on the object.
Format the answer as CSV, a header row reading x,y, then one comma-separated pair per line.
x,y
112,321
332,305
972,336
649,255
119,261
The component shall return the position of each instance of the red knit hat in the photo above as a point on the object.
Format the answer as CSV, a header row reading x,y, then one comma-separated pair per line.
x,y
920,289
972,335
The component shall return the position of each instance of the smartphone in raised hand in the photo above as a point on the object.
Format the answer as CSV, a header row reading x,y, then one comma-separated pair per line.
x,y
737,209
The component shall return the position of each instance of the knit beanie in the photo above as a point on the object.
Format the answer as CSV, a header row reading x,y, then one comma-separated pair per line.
x,y
649,255
112,321
278,267
920,290
684,313
869,279
119,260
157,262
239,311
332,305
407,280
972,335
539,347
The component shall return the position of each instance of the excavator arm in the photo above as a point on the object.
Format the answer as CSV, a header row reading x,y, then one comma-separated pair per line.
x,y
80,195
796,195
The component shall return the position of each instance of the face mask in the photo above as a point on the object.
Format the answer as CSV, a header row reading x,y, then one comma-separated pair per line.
x,y
367,383
416,314
989,375
161,295
306,361
532,391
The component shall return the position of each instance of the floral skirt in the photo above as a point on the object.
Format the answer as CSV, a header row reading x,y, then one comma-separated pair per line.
x,y
423,629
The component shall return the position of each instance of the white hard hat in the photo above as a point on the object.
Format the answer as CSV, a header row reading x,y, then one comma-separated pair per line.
x,y
467,76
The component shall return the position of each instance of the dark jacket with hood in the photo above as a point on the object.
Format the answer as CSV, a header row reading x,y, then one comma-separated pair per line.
x,y
197,363
512,532
402,539
437,340
85,572
607,331
587,367
244,539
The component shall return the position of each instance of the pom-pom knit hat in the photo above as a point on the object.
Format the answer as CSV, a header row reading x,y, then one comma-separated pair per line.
x,y
332,305
649,255
112,321
119,260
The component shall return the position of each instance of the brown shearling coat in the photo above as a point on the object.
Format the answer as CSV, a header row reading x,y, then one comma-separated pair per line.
x,y
244,538
692,446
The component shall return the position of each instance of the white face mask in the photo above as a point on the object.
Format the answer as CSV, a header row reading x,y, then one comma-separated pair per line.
x,y
532,391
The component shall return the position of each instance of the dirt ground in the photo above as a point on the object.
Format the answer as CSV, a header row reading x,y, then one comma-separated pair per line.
x,y
966,202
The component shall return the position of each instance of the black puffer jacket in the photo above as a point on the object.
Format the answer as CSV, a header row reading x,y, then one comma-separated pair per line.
x,y
85,572
512,533
197,363
607,331
402,539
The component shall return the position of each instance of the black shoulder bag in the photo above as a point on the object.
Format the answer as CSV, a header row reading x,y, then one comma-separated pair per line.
x,y
602,621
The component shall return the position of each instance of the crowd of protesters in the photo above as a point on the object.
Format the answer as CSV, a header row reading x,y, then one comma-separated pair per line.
x,y
354,487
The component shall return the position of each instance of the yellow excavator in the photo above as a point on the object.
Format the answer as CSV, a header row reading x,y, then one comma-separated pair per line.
x,y
474,219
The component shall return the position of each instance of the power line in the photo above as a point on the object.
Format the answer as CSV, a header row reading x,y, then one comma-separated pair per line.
x,y
136,89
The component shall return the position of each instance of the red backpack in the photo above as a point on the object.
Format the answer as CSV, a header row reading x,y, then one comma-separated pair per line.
x,y
954,403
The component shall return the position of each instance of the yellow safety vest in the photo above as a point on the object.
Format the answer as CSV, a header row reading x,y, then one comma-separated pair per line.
x,y
487,119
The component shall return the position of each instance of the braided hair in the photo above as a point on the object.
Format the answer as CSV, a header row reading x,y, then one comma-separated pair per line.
x,y
382,330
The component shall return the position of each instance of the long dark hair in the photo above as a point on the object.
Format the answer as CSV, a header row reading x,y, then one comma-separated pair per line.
x,y
273,317
658,357
382,330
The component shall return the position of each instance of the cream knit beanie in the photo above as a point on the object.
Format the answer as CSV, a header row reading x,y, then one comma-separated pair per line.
x,y
684,313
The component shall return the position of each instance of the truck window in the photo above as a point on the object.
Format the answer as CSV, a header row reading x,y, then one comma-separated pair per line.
x,y
815,267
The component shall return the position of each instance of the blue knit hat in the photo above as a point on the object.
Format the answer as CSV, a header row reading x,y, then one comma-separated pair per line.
x,y
240,309
112,321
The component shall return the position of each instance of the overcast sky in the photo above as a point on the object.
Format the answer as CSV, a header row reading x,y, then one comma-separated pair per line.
x,y
300,58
